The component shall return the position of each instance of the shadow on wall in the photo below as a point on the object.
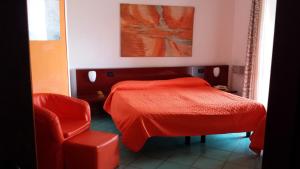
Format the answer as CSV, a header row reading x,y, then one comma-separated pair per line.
x,y
73,82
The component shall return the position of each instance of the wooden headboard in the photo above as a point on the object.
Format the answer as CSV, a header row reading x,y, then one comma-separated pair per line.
x,y
108,77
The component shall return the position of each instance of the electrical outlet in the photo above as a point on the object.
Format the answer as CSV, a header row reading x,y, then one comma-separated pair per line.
x,y
200,70
110,74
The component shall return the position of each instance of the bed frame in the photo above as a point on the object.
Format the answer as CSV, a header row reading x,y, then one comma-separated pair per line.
x,y
106,78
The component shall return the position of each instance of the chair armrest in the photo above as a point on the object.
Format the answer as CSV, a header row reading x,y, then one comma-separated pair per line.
x,y
47,126
49,139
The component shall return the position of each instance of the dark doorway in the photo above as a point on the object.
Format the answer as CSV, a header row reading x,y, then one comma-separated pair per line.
x,y
17,129
281,143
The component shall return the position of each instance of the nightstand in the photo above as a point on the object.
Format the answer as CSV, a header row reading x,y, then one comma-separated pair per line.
x,y
95,100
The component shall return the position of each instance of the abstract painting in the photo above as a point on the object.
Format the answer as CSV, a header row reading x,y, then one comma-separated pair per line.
x,y
156,30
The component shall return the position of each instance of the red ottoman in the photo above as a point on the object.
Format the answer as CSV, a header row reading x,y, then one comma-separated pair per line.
x,y
92,150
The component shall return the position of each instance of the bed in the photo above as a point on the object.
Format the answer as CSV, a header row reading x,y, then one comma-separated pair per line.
x,y
178,106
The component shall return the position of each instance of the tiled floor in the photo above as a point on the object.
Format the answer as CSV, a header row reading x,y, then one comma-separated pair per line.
x,y
225,151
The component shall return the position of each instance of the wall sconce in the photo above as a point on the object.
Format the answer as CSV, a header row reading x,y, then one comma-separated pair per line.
x,y
92,76
216,71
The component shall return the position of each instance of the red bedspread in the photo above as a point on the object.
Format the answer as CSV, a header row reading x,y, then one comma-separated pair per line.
x,y
179,107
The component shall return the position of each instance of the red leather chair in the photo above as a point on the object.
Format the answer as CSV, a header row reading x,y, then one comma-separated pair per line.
x,y
57,119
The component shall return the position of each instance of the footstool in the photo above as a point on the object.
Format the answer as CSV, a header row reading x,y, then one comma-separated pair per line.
x,y
92,150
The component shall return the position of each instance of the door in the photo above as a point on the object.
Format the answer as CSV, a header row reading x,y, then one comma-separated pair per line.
x,y
17,149
281,143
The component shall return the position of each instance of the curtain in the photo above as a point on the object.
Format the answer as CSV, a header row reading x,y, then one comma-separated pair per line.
x,y
252,50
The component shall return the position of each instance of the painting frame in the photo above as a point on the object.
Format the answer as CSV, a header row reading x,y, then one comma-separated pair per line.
x,y
156,30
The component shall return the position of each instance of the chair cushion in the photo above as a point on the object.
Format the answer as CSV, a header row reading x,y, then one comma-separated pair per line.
x,y
71,127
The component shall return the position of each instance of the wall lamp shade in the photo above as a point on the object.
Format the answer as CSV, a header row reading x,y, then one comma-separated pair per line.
x,y
216,71
92,76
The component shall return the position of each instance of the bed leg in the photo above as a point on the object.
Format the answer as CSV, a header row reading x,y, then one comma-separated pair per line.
x,y
203,139
248,134
187,140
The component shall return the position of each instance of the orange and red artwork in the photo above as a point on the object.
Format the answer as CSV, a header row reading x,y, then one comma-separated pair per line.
x,y
156,30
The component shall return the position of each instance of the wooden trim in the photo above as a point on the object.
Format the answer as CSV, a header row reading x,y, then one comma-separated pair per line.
x,y
106,78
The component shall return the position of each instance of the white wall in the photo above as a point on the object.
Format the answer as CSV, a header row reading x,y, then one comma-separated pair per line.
x,y
239,41
94,34
240,31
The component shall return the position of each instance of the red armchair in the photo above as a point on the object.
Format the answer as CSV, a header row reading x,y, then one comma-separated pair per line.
x,y
57,118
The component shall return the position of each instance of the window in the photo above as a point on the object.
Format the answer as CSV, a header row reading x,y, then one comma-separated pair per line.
x,y
43,18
